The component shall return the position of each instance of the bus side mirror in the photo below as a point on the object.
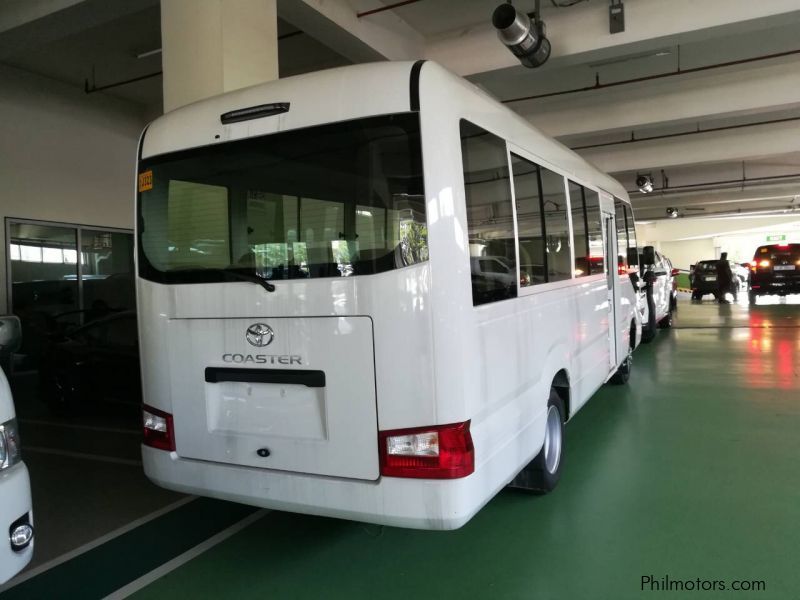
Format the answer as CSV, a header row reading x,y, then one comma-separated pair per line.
x,y
633,257
649,255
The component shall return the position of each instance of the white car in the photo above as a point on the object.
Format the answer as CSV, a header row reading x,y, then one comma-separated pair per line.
x,y
16,512
660,292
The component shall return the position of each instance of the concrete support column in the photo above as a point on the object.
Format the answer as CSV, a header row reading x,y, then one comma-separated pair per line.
x,y
215,46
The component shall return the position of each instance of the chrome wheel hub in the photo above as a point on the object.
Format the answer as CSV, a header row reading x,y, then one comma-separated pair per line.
x,y
552,440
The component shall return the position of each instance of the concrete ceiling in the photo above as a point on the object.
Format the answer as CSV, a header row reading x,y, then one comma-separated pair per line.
x,y
713,107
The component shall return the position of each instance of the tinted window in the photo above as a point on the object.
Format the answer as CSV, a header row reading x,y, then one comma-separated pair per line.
x,y
622,235
579,233
490,216
328,201
594,224
544,240
532,253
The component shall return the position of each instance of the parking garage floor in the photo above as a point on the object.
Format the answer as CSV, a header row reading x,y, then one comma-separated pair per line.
x,y
688,473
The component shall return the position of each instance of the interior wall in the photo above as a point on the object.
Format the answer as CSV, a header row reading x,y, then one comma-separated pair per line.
x,y
683,254
66,156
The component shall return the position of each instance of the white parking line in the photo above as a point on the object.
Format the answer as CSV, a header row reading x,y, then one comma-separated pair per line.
x,y
180,560
81,427
94,543
83,456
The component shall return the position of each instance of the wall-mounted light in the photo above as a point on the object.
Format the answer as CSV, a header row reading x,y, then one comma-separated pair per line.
x,y
644,181
525,38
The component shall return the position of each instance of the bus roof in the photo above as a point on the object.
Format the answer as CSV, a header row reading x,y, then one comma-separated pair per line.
x,y
354,92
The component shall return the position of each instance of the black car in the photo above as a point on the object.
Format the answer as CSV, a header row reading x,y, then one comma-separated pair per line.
x,y
703,279
775,269
94,363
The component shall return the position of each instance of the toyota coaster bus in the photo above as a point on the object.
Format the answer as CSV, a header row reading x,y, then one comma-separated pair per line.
x,y
372,293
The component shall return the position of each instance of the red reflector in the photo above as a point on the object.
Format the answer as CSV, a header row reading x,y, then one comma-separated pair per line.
x,y
756,287
158,428
435,452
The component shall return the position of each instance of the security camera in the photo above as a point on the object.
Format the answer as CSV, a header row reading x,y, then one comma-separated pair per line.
x,y
672,212
524,38
644,183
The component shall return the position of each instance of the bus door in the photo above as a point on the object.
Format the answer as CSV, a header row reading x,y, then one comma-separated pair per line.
x,y
610,251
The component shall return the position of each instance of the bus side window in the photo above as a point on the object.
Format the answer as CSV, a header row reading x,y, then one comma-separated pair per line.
x,y
622,236
594,225
490,219
631,227
580,233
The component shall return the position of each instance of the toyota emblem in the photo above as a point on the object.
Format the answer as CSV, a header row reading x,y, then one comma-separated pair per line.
x,y
259,334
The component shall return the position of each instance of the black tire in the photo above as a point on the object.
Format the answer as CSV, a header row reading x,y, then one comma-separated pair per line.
x,y
666,322
751,298
623,372
697,296
543,473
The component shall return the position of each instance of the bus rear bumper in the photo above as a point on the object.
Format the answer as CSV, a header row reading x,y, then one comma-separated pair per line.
x,y
413,503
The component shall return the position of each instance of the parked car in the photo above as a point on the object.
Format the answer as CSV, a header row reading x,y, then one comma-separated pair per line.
x,y
16,510
703,280
660,289
96,362
775,269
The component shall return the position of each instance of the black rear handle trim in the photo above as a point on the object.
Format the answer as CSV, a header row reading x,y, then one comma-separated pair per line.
x,y
254,112
304,377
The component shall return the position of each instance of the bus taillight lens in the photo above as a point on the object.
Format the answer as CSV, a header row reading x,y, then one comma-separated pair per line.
x,y
437,452
159,431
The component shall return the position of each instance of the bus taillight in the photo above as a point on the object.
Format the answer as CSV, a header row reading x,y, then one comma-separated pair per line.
x,y
158,428
436,452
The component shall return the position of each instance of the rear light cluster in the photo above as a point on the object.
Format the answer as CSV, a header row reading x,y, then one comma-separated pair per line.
x,y
159,431
436,452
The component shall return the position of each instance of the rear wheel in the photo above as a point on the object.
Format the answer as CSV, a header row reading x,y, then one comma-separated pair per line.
x,y
623,373
666,322
751,297
542,474
697,296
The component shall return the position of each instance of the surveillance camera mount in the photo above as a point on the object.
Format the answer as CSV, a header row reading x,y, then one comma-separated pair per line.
x,y
523,34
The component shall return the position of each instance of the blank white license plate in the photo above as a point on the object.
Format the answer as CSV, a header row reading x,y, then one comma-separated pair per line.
x,y
783,268
711,278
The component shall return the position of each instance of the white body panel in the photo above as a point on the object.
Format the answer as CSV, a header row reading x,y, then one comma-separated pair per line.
x,y
15,498
437,358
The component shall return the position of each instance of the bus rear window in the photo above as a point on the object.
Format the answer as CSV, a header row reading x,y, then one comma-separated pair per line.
x,y
329,201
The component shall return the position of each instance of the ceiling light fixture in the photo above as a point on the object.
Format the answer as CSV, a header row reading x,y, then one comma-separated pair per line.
x,y
644,181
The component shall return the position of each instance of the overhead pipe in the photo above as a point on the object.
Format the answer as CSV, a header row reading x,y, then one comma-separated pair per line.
x,y
679,71
695,132
95,88
374,11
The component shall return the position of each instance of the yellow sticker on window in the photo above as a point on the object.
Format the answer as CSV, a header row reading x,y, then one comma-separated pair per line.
x,y
146,180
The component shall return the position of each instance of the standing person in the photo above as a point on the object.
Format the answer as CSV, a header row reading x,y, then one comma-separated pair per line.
x,y
724,278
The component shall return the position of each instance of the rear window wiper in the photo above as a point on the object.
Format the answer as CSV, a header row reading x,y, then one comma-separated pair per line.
x,y
251,277
229,273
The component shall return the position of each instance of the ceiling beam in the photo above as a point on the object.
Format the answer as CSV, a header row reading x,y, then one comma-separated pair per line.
x,y
382,36
30,24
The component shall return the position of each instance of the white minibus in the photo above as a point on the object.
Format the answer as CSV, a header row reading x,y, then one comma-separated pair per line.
x,y
319,331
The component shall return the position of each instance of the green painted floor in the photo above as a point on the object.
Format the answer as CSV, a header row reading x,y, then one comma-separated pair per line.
x,y
689,472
